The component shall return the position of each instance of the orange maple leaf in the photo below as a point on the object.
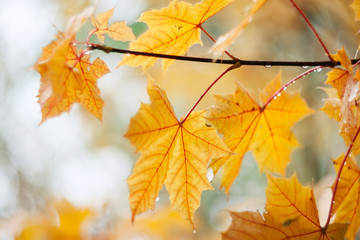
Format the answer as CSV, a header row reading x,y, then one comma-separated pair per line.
x,y
247,125
224,41
172,152
344,106
356,7
117,31
65,225
172,30
346,207
290,213
68,75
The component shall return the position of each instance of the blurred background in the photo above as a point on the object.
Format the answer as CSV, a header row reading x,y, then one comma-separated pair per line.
x,y
66,178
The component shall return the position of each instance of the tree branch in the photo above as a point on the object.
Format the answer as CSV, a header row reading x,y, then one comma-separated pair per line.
x,y
264,63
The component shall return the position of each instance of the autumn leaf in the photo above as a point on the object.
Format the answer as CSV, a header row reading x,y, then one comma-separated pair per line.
x,y
172,30
290,213
67,73
68,76
175,153
224,41
338,77
343,106
117,31
346,207
356,7
67,224
247,125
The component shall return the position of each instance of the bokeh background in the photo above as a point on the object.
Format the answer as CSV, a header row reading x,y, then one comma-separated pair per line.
x,y
66,178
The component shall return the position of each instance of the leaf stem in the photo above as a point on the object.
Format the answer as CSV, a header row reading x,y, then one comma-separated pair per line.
x,y
208,89
265,63
338,176
288,84
312,29
207,34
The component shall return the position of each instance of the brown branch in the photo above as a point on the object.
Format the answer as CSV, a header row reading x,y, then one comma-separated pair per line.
x,y
265,63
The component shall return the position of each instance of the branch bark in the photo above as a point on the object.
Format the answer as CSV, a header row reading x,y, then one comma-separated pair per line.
x,y
265,63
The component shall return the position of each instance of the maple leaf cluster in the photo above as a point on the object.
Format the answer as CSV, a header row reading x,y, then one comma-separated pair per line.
x,y
67,73
178,152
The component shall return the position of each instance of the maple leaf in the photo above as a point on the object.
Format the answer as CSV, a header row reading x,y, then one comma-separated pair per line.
x,y
246,125
290,213
338,77
67,225
224,41
356,7
346,207
172,152
117,31
343,106
68,76
67,73
172,30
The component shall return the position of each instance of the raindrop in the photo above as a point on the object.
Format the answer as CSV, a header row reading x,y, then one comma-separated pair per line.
x,y
345,163
275,97
285,88
279,94
157,199
305,67
319,69
268,66
194,231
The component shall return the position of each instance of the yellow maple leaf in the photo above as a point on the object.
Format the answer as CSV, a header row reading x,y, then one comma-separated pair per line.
x,y
290,213
344,106
224,41
172,30
66,226
346,207
246,125
338,77
73,78
172,152
68,75
356,7
117,31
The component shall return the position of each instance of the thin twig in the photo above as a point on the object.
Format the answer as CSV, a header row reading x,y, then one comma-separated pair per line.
x,y
313,30
338,177
264,63
209,87
278,92
212,39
